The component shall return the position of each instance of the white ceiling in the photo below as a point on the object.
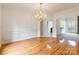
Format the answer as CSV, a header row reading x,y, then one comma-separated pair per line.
x,y
49,8
60,7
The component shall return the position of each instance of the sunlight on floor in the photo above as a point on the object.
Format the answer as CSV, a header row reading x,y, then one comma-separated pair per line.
x,y
72,43
49,46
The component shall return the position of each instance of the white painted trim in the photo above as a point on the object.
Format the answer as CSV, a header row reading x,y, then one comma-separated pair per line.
x,y
20,39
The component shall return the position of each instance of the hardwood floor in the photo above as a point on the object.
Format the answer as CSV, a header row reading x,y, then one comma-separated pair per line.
x,y
39,46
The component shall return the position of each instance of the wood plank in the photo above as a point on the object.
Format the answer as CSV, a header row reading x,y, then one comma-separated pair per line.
x,y
38,46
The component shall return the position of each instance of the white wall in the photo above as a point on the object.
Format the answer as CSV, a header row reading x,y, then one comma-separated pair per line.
x,y
0,24
18,23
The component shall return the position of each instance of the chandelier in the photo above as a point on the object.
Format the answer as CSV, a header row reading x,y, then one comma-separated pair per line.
x,y
40,14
